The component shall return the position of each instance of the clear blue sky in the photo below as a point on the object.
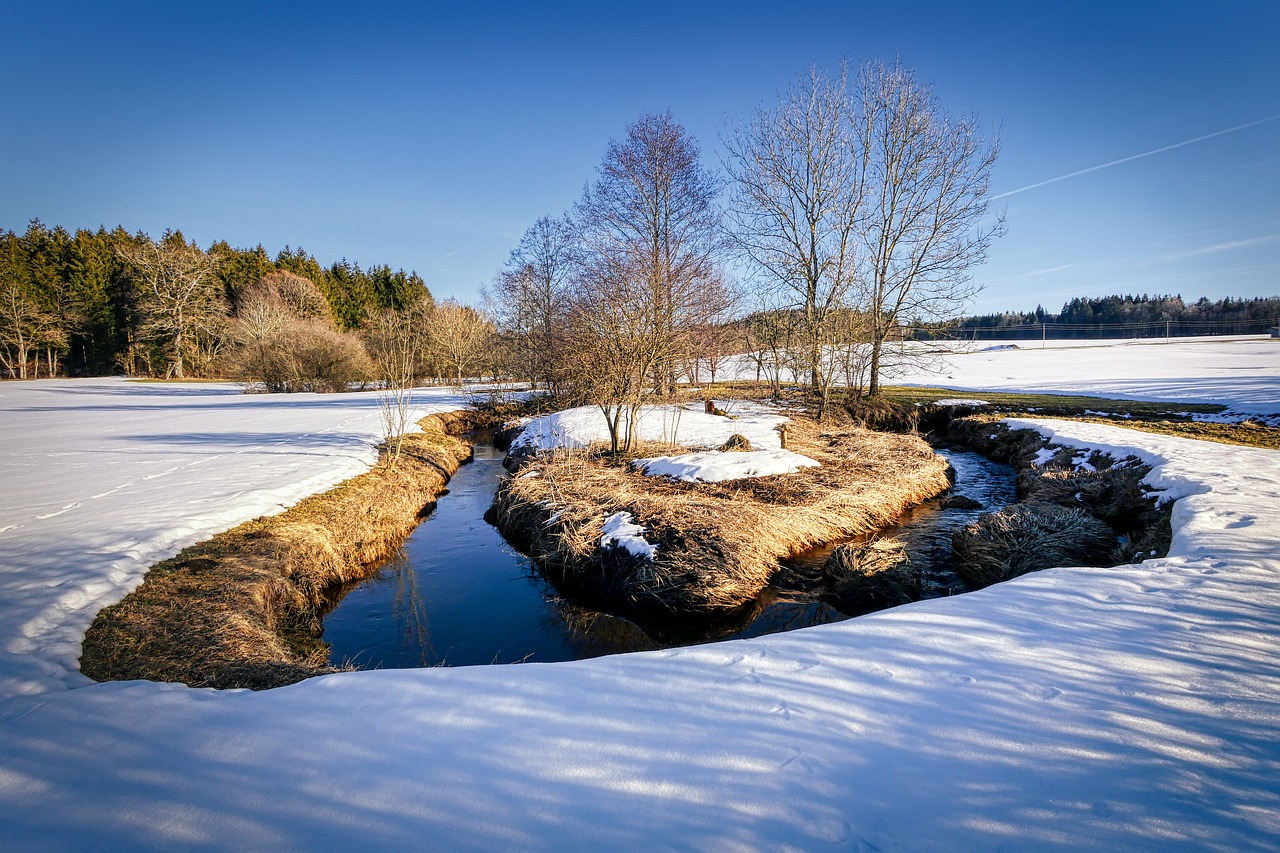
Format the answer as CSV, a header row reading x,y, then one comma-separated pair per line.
x,y
429,136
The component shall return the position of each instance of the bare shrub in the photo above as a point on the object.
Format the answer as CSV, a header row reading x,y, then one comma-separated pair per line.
x,y
872,575
286,340
303,355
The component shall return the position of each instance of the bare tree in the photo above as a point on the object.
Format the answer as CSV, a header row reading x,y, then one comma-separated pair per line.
x,y
398,341
798,180
286,340
530,299
25,327
928,179
615,346
181,295
460,338
650,216
296,294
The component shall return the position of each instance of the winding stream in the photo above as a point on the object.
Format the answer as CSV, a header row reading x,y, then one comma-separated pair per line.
x,y
459,595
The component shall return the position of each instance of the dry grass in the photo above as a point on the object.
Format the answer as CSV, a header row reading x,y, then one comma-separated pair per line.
x,y
871,576
1069,515
242,609
717,543
1028,537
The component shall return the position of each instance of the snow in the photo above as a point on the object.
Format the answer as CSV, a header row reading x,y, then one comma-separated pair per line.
x,y
961,401
1132,708
104,478
688,425
716,466
621,530
1242,374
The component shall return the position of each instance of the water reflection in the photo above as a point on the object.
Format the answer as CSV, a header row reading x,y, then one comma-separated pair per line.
x,y
459,595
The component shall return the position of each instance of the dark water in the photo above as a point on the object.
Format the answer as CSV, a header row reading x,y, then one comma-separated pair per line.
x,y
459,595
456,595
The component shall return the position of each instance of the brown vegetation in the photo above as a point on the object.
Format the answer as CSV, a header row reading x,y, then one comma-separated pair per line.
x,y
871,576
717,543
1068,515
242,609
1028,537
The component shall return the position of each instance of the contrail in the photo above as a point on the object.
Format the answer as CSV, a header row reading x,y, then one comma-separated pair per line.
x,y
1138,156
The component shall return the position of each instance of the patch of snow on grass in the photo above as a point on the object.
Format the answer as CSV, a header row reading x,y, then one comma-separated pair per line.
x,y
1043,455
621,530
960,401
715,466
688,425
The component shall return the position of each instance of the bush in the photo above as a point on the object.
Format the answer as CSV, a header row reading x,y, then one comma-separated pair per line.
x,y
303,355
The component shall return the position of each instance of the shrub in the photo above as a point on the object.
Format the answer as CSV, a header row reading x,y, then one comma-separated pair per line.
x,y
303,355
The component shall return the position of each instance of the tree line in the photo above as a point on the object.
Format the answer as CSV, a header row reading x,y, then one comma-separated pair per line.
x,y
102,302
1129,315
853,202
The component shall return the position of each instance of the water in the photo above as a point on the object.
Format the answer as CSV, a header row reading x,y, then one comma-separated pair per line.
x,y
459,595
456,595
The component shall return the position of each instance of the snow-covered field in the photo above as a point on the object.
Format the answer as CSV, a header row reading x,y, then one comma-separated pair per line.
x,y
1127,708
1242,374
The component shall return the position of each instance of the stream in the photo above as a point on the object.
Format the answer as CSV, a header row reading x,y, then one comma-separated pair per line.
x,y
459,595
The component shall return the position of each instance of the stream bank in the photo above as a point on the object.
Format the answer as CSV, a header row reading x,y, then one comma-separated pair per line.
x,y
459,595
706,548
242,609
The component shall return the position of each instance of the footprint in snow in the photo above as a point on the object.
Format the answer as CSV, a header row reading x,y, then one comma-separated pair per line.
x,y
1042,691
785,711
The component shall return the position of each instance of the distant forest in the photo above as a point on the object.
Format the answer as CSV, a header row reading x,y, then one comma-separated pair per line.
x,y
1124,316
87,303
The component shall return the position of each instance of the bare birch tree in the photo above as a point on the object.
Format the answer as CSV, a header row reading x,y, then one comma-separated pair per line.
x,y
798,178
926,225
25,327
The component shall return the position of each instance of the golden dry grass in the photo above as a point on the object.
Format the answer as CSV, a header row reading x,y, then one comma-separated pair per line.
x,y
717,543
242,609
871,575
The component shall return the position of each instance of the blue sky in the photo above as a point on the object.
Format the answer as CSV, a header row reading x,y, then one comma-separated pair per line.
x,y
429,136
